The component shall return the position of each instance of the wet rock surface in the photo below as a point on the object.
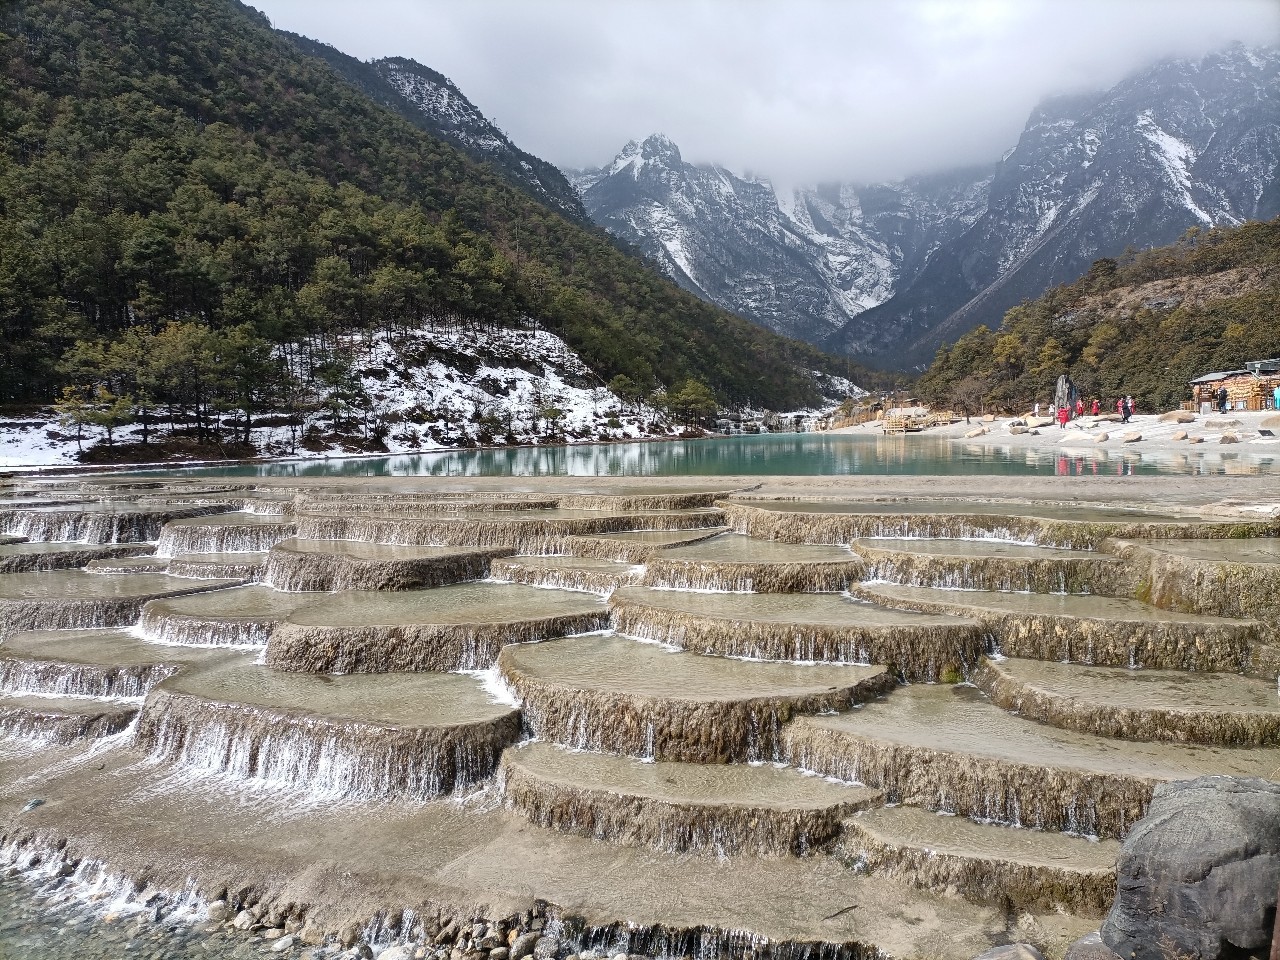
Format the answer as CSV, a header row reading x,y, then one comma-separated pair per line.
x,y
1198,876
727,764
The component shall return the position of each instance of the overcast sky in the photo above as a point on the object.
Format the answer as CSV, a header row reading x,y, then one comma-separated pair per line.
x,y
799,90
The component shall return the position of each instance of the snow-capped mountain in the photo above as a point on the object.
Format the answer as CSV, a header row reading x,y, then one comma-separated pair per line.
x,y
433,102
1183,144
801,262
887,272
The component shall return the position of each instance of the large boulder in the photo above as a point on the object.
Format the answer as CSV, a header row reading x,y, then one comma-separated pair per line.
x,y
1199,874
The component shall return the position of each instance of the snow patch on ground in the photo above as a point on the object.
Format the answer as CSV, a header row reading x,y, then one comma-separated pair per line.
x,y
432,388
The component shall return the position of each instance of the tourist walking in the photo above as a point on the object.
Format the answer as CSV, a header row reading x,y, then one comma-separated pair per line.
x,y
1222,399
1130,408
1276,392
1096,408
1122,408
1064,414
1079,406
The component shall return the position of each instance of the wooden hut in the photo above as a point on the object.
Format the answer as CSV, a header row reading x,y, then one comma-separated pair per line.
x,y
1252,388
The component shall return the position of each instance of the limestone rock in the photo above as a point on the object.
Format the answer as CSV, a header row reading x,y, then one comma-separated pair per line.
x,y
523,946
989,418
1017,429
976,432
284,943
1090,947
219,911
1131,438
1011,951
1229,438
499,953
1102,437
244,920
1271,423
546,948
1178,416
1180,435
1195,439
312,933
396,953
1198,875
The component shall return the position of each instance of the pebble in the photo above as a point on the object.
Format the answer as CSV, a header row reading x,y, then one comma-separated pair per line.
x,y
284,943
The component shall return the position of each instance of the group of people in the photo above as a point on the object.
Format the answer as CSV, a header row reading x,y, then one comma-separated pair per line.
x,y
1066,413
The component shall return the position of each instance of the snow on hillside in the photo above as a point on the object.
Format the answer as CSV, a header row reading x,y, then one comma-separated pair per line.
x,y
428,389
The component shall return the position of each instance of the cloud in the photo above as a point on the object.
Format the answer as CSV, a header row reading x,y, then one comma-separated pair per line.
x,y
803,91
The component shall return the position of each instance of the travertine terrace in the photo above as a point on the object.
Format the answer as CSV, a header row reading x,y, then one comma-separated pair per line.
x,y
805,719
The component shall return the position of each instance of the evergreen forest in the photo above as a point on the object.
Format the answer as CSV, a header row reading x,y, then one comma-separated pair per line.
x,y
1143,324
195,215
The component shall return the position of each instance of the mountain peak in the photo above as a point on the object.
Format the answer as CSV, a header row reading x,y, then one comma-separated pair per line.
x,y
657,149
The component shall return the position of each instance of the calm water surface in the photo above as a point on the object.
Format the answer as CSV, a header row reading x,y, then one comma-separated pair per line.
x,y
777,454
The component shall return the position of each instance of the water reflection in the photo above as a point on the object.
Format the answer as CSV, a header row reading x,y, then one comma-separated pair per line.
x,y
763,455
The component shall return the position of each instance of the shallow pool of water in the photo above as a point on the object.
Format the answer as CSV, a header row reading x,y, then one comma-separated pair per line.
x,y
777,454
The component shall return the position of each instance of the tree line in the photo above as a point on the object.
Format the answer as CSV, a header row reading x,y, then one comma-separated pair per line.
x,y
1114,337
179,176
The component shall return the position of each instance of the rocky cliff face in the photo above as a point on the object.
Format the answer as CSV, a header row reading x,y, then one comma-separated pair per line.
x,y
801,262
887,272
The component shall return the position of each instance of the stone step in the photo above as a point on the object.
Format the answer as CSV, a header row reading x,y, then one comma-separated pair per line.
x,y
90,663
676,807
531,531
414,736
744,564
20,557
1108,631
801,627
225,533
239,617
342,865
1230,578
98,522
993,565
33,719
247,567
949,748
1173,706
333,565
567,573
1059,525
76,599
608,693
628,546
1011,867
147,564
459,627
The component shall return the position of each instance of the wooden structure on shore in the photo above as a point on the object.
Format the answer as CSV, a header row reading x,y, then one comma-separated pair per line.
x,y
1252,388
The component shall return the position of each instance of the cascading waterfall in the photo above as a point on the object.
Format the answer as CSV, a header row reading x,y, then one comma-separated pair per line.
x,y
248,537
318,757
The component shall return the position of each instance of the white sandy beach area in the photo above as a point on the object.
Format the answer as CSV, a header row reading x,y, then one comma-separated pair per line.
x,y
1173,432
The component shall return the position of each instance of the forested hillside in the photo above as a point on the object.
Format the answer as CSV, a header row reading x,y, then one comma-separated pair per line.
x,y
193,211
1144,324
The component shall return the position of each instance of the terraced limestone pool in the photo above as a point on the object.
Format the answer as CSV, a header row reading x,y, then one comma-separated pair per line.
x,y
663,720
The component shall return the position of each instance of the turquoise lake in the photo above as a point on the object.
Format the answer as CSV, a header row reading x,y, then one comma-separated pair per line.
x,y
776,454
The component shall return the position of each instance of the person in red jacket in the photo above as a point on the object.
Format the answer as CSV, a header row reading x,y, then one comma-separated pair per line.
x,y
1064,414
1095,406
1079,406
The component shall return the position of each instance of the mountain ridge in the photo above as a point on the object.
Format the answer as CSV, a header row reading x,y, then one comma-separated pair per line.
x,y
1182,143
